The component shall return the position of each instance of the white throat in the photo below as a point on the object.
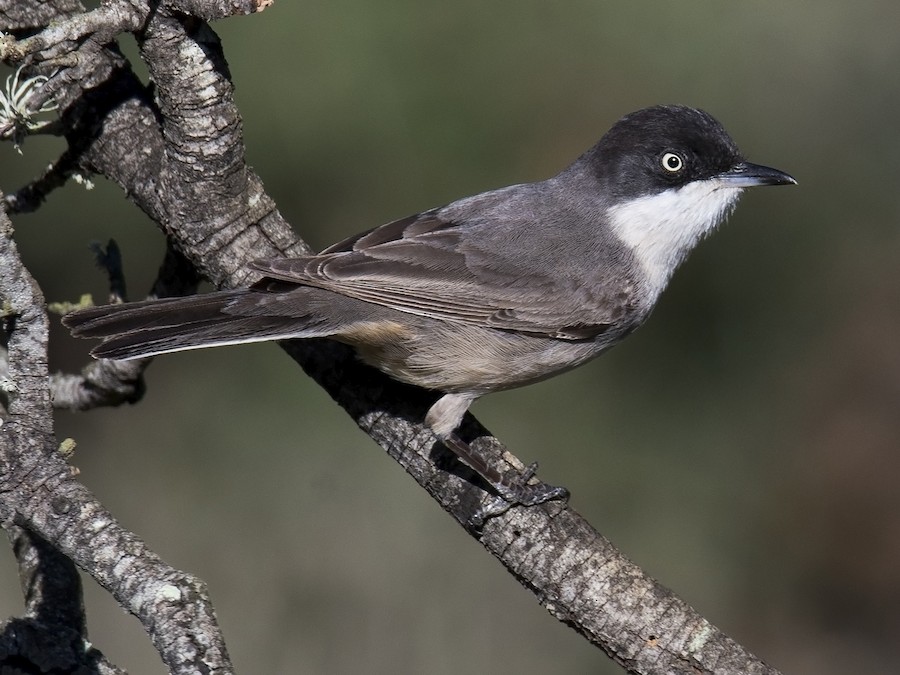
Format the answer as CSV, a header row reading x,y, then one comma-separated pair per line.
x,y
662,229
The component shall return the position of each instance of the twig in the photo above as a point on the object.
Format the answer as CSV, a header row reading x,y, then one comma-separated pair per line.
x,y
105,382
41,495
30,197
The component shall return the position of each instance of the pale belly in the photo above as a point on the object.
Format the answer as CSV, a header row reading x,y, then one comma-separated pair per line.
x,y
468,359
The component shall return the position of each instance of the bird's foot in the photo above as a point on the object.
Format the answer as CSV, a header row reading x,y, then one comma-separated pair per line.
x,y
515,490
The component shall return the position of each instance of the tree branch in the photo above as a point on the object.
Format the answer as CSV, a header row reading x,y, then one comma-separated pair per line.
x,y
106,382
52,636
41,495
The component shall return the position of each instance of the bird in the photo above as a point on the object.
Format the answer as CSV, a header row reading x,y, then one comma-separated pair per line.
x,y
486,293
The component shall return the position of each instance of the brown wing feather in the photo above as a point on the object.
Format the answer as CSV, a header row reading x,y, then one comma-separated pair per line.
x,y
423,265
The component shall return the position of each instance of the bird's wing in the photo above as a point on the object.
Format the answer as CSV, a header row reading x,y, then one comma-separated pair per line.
x,y
455,271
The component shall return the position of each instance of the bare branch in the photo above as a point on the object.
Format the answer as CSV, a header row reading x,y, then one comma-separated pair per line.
x,y
209,10
41,495
53,633
112,383
173,606
30,197
28,17
101,384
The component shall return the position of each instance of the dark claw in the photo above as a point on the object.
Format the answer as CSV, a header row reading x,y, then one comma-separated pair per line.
x,y
516,491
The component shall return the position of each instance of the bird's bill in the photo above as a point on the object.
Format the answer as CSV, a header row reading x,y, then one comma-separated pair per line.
x,y
746,174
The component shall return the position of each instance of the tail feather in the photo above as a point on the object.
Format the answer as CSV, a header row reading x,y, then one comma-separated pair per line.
x,y
150,327
105,320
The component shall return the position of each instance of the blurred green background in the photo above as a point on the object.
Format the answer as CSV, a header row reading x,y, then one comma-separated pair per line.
x,y
742,446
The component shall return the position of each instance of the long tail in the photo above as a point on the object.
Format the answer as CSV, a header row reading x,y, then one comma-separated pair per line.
x,y
151,327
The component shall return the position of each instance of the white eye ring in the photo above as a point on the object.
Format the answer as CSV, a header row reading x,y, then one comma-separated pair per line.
x,y
672,163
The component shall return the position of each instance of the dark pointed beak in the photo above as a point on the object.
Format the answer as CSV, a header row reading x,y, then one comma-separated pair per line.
x,y
745,174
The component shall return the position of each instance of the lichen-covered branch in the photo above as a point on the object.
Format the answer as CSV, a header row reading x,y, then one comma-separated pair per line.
x,y
52,634
106,382
42,497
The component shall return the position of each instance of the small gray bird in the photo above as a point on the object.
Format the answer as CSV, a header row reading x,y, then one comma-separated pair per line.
x,y
489,292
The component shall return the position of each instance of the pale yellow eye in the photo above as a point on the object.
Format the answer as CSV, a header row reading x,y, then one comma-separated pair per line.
x,y
672,163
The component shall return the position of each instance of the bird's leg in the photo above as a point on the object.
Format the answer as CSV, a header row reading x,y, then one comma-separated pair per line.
x,y
512,487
